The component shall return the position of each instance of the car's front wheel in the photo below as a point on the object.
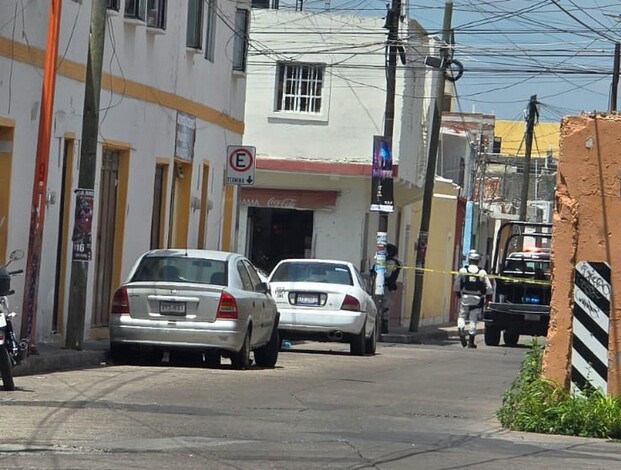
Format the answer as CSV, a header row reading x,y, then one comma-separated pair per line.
x,y
266,356
6,369
357,343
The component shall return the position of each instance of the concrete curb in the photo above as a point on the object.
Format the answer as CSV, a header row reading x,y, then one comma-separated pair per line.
x,y
60,359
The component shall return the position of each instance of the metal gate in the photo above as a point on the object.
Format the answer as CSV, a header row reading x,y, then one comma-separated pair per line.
x,y
105,238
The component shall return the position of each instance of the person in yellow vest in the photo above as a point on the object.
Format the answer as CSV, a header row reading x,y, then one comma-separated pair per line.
x,y
472,285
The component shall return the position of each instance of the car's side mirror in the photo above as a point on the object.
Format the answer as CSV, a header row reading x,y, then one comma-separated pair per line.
x,y
263,287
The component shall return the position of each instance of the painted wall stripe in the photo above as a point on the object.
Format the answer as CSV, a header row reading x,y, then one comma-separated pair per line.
x,y
597,326
582,333
590,358
594,277
591,292
590,376
590,326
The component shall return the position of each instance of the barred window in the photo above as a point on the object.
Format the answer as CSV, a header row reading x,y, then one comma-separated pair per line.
x,y
300,87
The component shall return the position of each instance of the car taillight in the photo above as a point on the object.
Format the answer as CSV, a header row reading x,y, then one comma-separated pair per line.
x,y
227,308
120,302
350,303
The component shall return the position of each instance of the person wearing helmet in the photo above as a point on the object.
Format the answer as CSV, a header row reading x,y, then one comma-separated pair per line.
x,y
472,285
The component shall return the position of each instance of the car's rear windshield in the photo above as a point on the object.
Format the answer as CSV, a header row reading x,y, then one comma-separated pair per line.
x,y
181,269
331,273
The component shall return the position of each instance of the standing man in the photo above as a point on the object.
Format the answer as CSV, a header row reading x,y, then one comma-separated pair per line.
x,y
393,268
472,286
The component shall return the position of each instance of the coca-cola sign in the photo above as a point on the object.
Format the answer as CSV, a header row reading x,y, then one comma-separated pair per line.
x,y
288,199
287,203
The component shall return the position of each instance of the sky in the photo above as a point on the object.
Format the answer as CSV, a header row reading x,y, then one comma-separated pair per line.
x,y
560,50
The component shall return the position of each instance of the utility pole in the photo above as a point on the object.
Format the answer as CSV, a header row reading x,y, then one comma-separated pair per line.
x,y
88,162
533,114
39,188
430,174
615,80
392,44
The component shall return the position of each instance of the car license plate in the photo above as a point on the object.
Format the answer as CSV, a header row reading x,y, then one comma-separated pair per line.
x,y
2,320
307,299
172,308
531,317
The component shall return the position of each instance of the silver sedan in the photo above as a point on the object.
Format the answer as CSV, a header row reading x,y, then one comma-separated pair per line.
x,y
208,301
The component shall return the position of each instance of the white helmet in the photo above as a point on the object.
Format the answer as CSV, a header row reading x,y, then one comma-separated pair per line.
x,y
474,256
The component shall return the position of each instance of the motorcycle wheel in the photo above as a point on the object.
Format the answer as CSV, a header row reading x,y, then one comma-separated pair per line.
x,y
6,371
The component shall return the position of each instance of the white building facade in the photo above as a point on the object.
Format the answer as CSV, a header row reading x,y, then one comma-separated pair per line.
x,y
316,97
172,100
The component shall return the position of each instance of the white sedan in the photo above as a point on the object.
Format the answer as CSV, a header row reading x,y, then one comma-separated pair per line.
x,y
324,300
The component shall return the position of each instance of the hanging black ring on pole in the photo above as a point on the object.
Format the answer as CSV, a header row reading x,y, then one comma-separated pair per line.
x,y
452,77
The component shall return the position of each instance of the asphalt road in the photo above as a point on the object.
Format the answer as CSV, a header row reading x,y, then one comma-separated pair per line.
x,y
408,407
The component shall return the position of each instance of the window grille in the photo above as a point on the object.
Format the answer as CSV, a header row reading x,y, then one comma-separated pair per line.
x,y
300,87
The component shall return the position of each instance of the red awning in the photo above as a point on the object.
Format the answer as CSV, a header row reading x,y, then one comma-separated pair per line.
x,y
288,198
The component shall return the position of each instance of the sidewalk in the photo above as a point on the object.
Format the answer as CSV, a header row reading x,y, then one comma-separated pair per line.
x,y
425,334
53,358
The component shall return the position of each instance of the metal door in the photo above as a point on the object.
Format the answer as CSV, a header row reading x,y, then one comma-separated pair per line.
x,y
105,238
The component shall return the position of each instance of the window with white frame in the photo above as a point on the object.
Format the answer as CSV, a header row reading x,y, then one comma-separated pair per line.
x,y
156,14
135,9
210,29
240,46
300,87
113,5
194,32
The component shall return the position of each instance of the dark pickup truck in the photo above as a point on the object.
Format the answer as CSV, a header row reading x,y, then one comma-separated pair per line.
x,y
521,299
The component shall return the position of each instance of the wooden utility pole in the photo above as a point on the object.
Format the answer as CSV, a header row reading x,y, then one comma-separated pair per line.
x,y
392,45
430,174
615,80
39,188
88,164
530,130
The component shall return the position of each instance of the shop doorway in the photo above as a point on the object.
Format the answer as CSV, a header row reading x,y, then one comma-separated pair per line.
x,y
276,234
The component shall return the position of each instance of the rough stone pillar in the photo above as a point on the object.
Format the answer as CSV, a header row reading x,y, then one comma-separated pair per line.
x,y
587,227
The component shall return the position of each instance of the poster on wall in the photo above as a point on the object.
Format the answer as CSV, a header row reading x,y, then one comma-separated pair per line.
x,y
381,176
83,223
184,136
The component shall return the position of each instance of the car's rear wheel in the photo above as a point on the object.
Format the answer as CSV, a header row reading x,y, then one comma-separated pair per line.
x,y
212,359
492,336
119,353
357,343
371,343
511,337
241,359
266,356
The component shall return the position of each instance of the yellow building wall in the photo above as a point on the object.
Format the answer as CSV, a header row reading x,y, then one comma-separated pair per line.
x,y
437,285
546,138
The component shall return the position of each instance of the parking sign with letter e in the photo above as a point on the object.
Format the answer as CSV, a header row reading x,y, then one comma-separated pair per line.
x,y
240,167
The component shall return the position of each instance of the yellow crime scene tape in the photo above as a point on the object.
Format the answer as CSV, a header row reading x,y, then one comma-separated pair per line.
x,y
490,276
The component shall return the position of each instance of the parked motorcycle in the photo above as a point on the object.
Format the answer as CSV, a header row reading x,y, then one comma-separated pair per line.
x,y
10,352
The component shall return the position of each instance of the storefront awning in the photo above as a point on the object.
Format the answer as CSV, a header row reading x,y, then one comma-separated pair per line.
x,y
288,198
